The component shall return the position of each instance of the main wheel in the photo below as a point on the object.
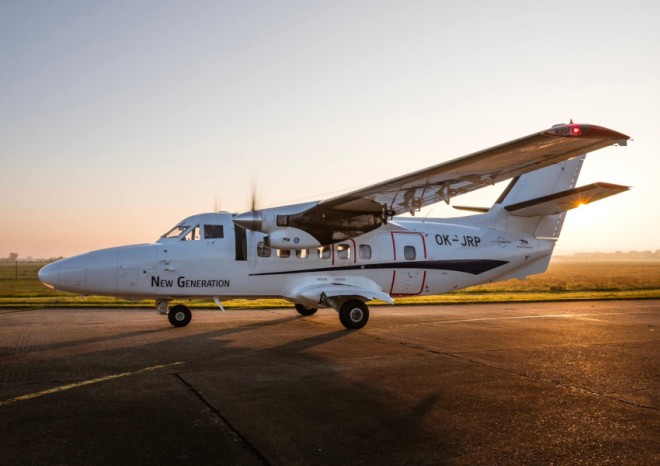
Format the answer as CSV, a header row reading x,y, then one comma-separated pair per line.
x,y
179,315
304,310
354,314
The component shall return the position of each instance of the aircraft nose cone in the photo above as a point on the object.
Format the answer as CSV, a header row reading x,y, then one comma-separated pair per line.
x,y
48,275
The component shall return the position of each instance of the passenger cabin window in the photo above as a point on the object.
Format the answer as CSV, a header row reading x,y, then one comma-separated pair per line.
x,y
283,253
324,252
365,251
302,253
263,250
343,251
214,231
192,235
409,253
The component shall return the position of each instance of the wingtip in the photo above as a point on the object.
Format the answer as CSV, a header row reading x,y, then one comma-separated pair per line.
x,y
582,130
612,186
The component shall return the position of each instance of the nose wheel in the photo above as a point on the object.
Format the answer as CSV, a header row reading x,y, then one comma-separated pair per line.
x,y
179,315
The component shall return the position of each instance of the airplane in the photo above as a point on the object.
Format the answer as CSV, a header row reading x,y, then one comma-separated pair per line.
x,y
344,251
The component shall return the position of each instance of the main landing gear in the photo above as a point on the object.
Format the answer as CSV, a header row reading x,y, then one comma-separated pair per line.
x,y
305,311
179,315
353,313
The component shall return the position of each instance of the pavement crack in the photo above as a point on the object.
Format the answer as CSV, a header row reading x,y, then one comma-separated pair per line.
x,y
249,445
13,311
558,383
525,375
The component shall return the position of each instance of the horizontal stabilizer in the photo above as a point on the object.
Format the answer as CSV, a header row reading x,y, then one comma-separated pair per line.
x,y
565,200
481,210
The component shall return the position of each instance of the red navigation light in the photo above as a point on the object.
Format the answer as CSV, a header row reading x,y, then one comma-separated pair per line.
x,y
577,130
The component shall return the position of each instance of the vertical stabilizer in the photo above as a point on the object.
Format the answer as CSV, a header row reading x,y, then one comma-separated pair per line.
x,y
549,180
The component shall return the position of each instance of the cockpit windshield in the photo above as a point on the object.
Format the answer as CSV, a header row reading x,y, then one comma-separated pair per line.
x,y
206,226
176,231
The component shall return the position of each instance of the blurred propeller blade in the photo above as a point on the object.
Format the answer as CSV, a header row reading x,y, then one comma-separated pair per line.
x,y
252,219
254,194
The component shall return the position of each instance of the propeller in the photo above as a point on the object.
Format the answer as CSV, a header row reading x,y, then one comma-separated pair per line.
x,y
252,219
254,193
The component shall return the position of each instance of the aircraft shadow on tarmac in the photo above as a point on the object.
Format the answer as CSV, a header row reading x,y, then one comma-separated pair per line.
x,y
285,401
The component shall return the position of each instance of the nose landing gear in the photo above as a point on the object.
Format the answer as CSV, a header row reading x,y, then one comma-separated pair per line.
x,y
179,315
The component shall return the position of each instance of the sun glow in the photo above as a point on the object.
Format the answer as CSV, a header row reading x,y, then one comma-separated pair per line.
x,y
286,88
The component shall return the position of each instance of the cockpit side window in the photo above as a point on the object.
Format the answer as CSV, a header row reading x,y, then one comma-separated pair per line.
x,y
192,235
213,231
176,231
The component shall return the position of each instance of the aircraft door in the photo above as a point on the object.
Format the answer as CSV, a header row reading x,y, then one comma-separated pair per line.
x,y
409,252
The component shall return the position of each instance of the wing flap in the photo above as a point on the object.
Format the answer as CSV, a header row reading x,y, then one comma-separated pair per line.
x,y
565,200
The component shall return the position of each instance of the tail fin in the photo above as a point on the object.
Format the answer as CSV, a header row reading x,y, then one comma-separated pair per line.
x,y
549,180
541,198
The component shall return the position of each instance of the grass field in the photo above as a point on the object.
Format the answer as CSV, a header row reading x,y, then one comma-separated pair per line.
x,y
20,288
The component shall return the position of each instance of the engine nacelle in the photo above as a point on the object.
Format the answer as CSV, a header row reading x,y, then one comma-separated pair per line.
x,y
272,219
290,238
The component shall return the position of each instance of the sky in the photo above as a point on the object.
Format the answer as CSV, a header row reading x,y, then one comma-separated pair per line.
x,y
120,118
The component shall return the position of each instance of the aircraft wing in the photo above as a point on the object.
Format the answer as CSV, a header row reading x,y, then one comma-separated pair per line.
x,y
355,213
409,193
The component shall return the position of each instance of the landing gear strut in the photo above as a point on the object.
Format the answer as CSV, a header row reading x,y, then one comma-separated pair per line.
x,y
162,307
179,315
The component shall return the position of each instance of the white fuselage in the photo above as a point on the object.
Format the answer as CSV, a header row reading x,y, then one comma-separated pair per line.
x,y
407,257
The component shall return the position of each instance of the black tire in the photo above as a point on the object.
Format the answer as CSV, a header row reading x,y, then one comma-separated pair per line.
x,y
179,315
354,314
304,310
